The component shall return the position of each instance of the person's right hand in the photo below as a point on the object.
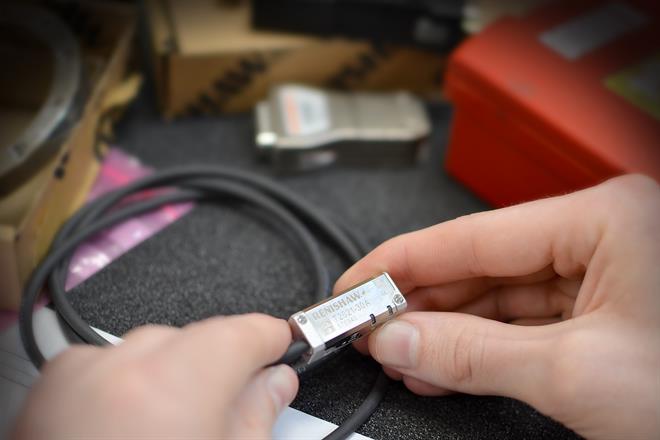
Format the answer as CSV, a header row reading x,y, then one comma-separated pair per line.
x,y
579,274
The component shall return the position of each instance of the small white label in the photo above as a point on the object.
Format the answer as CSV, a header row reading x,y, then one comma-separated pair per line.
x,y
304,110
592,30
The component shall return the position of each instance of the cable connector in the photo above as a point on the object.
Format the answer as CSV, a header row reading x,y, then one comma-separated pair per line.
x,y
336,322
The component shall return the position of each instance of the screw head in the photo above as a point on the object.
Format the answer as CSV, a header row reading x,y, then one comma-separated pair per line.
x,y
398,299
302,319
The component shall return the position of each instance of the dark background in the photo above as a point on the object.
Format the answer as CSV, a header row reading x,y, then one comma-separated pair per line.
x,y
224,260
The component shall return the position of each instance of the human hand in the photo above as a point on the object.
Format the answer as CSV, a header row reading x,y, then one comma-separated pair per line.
x,y
206,380
578,274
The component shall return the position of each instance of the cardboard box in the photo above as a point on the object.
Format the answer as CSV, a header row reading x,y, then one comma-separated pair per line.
x,y
557,100
207,59
31,215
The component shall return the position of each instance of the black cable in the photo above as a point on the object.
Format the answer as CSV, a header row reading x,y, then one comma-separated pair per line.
x,y
293,353
364,411
193,183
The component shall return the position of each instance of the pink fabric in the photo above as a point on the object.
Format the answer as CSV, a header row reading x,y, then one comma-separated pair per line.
x,y
118,169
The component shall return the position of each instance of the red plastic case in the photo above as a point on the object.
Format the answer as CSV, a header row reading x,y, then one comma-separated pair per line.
x,y
542,107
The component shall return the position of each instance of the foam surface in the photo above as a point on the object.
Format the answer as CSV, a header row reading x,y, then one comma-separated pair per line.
x,y
220,260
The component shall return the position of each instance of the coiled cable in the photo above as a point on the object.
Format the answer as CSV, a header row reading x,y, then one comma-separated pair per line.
x,y
193,183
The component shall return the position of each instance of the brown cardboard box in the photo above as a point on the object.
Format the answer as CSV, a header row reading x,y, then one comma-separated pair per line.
x,y
207,59
30,216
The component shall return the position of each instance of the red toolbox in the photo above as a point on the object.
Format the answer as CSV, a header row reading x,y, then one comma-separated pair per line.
x,y
561,99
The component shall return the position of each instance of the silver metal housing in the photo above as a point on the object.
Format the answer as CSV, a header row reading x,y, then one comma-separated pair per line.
x,y
301,127
338,321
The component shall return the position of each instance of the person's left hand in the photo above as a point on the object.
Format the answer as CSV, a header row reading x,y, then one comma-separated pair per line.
x,y
206,380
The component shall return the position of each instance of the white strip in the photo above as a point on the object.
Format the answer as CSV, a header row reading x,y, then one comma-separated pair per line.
x,y
297,425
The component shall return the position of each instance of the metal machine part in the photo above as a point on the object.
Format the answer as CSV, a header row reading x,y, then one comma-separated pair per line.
x,y
57,113
301,128
338,321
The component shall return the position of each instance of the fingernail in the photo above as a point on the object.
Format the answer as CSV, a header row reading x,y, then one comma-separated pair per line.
x,y
282,384
396,344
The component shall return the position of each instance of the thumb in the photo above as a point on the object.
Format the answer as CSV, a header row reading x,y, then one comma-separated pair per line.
x,y
467,353
261,402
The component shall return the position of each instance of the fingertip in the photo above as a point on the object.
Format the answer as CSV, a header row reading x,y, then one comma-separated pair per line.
x,y
417,303
260,402
392,373
275,331
384,258
353,275
282,383
249,323
362,346
396,344
260,339
268,324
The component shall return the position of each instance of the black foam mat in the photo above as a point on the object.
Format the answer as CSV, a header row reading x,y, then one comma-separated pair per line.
x,y
223,259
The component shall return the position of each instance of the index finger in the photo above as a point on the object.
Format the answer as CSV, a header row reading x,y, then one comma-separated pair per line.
x,y
518,240
224,353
